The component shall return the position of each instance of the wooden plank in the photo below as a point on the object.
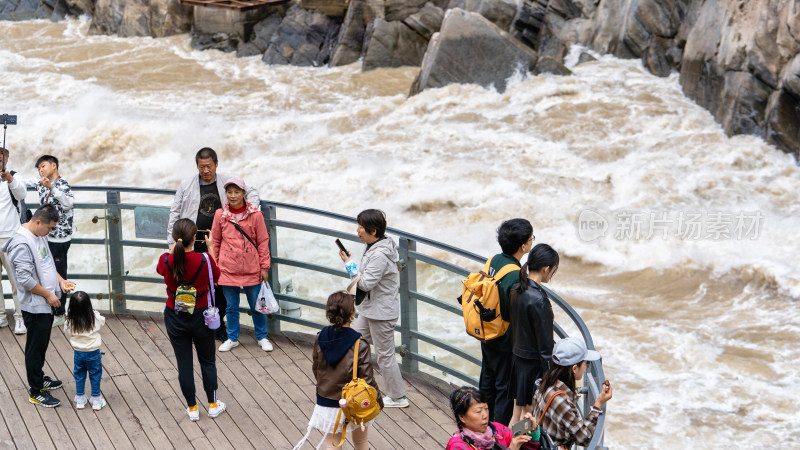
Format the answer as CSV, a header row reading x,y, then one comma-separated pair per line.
x,y
35,423
10,396
379,437
223,425
104,432
165,382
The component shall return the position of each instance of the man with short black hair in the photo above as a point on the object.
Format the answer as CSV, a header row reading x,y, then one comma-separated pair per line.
x,y
515,237
12,192
54,190
198,198
40,288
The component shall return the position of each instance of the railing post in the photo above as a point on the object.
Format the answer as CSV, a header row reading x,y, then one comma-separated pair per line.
x,y
408,304
270,213
116,260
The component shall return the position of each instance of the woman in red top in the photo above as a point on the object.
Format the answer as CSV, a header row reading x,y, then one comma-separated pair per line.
x,y
180,266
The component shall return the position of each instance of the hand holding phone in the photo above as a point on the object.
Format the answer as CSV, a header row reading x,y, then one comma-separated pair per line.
x,y
341,247
524,426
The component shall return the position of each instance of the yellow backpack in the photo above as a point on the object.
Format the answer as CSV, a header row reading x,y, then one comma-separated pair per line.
x,y
361,401
480,303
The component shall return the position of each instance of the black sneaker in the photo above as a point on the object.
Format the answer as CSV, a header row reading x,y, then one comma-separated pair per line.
x,y
45,399
50,384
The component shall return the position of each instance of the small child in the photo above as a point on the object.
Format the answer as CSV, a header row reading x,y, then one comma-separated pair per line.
x,y
82,327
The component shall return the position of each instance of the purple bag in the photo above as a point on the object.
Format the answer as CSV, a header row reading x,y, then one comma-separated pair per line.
x,y
211,314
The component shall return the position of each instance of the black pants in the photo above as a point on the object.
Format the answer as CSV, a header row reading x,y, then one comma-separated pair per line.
x,y
184,330
219,299
36,342
495,383
59,251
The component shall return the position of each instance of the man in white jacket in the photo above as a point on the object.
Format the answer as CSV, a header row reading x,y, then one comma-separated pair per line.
x,y
197,199
12,190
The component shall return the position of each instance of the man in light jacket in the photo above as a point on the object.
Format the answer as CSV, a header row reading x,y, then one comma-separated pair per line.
x,y
12,190
198,198
40,287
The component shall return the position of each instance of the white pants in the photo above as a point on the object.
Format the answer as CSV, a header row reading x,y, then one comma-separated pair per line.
x,y
380,334
12,279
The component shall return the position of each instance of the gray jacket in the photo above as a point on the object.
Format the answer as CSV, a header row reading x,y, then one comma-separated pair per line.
x,y
380,278
187,200
24,267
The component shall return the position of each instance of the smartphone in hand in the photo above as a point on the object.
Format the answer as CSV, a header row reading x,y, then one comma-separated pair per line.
x,y
201,235
524,426
341,247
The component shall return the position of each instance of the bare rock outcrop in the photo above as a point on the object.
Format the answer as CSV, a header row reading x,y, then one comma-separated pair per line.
x,y
494,54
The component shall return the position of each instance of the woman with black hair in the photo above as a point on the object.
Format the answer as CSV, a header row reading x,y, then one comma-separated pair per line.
x,y
475,432
531,326
184,319
555,400
377,286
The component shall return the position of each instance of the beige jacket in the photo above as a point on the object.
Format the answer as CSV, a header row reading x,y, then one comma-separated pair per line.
x,y
89,341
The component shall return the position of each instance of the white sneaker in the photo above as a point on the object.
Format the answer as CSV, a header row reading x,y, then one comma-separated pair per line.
x,y
265,344
20,328
98,403
228,345
401,402
80,401
58,321
3,321
193,413
215,409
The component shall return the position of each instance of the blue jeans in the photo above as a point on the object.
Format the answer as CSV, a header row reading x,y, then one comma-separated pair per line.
x,y
231,294
88,362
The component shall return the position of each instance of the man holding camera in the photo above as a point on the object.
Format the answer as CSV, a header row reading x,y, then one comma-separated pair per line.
x,y
12,192
198,198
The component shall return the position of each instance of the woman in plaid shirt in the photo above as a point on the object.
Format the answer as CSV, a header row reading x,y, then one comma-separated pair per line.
x,y
562,420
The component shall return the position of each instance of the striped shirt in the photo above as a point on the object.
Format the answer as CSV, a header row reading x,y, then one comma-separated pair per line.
x,y
563,421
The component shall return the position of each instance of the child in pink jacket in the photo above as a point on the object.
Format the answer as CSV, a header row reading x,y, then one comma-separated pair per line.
x,y
242,245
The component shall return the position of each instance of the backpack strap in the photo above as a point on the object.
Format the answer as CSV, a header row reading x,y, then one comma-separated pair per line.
x,y
548,405
355,361
488,266
505,270
199,269
336,426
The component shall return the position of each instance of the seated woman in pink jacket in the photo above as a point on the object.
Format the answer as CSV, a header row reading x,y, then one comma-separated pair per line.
x,y
242,245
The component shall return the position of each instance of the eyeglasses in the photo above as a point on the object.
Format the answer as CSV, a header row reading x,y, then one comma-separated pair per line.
x,y
533,238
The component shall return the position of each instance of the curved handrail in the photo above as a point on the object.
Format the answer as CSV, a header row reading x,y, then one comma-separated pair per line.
x,y
410,334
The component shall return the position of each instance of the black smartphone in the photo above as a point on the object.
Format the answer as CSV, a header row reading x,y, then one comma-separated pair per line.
x,y
524,426
201,235
341,247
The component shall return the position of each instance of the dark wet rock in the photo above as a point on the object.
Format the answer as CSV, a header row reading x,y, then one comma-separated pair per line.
x,y
495,54
304,38
783,127
426,21
350,43
392,44
548,64
247,49
262,32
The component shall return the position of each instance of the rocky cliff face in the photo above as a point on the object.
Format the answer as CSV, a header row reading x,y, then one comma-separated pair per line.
x,y
740,59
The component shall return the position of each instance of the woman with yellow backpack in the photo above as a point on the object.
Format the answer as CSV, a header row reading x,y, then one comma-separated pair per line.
x,y
347,392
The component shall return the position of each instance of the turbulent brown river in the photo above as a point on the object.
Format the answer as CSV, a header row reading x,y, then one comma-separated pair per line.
x,y
679,244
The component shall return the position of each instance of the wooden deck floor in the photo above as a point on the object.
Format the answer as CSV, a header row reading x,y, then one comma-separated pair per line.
x,y
269,397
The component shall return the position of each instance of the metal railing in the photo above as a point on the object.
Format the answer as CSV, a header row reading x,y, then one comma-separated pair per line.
x,y
118,278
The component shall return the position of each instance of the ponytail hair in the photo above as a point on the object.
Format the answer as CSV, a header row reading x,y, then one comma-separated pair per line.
x,y
183,233
542,255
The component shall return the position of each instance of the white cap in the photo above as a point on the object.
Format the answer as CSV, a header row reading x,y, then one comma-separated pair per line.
x,y
571,350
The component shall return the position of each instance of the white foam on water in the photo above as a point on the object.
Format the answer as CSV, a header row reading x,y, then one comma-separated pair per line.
x,y
451,164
